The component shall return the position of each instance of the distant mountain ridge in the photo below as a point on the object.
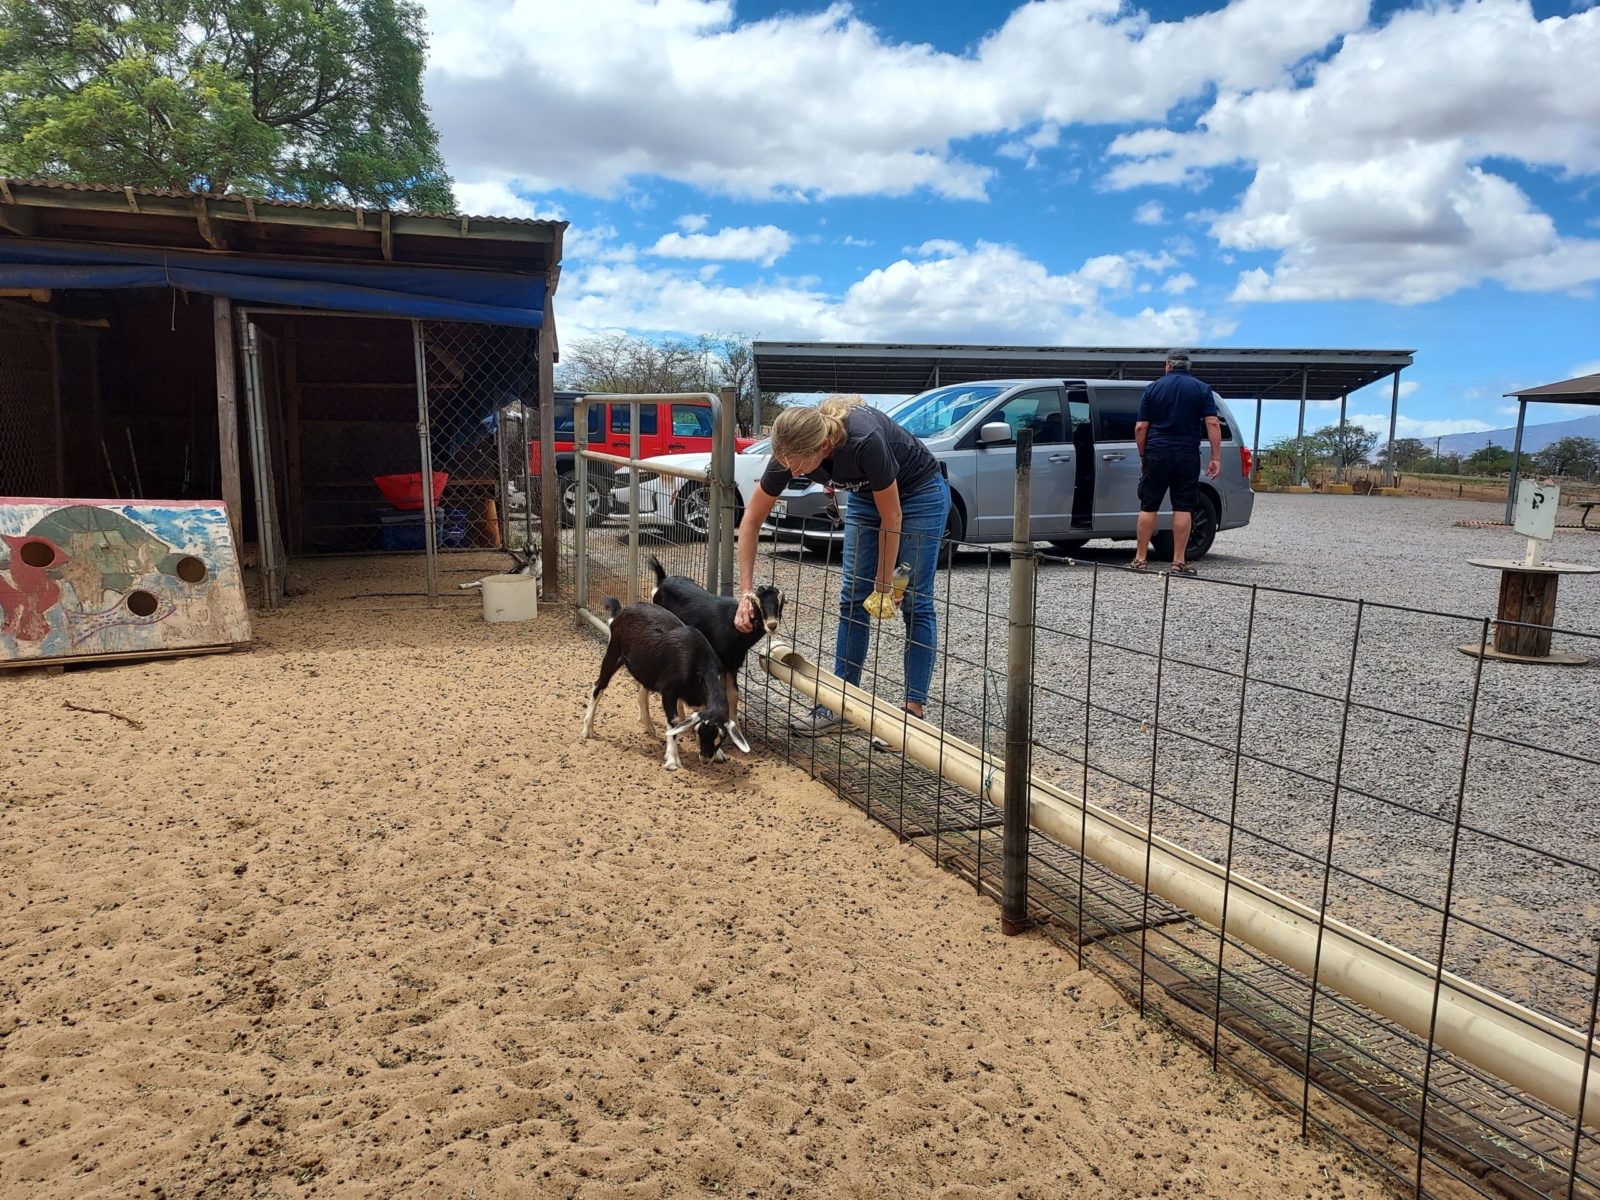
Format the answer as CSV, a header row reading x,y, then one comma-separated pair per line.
x,y
1534,437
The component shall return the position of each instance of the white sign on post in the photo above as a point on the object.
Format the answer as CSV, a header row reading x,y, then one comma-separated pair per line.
x,y
1536,509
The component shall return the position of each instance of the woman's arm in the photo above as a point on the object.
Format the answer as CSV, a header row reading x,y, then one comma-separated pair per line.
x,y
889,517
755,515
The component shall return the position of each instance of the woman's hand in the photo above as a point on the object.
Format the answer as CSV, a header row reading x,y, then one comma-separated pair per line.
x,y
745,619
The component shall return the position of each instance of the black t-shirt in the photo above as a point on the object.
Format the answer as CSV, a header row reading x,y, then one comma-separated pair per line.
x,y
1176,406
876,453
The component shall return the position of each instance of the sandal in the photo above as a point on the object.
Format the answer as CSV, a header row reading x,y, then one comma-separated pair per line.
x,y
1181,569
1137,564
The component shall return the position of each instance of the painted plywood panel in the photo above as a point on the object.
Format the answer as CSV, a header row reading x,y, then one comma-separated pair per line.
x,y
83,578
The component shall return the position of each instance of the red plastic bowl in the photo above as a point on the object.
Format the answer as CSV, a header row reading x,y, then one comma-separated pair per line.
x,y
405,491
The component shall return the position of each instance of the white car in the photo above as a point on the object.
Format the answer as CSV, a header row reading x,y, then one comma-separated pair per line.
x,y
682,504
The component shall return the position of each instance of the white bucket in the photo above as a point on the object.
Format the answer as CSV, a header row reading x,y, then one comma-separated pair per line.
x,y
510,597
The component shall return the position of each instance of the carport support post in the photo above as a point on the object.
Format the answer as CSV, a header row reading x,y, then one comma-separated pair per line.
x,y
1516,463
1255,443
1019,695
549,510
1338,463
1394,417
228,416
1300,437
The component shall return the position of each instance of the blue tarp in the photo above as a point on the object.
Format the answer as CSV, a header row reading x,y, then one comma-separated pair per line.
x,y
431,293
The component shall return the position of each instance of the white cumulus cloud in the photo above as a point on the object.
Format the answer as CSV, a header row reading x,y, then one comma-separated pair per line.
x,y
764,244
1379,176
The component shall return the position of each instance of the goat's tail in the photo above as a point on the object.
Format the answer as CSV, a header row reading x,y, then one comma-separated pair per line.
x,y
613,609
658,569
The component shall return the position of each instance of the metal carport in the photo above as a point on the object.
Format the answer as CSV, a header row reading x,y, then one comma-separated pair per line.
x,y
1235,373
1585,389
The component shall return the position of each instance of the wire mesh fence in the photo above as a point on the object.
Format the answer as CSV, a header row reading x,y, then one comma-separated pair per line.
x,y
481,386
30,424
1340,753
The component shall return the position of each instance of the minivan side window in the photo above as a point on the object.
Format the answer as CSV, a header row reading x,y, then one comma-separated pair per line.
x,y
691,420
1039,410
647,419
1118,410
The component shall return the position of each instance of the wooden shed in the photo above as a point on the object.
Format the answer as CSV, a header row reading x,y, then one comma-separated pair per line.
x,y
309,365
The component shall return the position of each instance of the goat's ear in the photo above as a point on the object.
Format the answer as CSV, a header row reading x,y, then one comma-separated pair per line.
x,y
684,725
737,737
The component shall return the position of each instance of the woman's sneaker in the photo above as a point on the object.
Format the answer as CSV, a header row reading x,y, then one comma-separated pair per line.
x,y
817,722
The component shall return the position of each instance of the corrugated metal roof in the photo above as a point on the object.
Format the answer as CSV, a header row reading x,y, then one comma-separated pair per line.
x,y
1237,373
113,189
98,213
1585,389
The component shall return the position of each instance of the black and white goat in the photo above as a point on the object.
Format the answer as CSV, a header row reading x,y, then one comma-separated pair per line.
x,y
713,616
665,655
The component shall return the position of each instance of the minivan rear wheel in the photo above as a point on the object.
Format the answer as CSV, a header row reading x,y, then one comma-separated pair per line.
x,y
1202,533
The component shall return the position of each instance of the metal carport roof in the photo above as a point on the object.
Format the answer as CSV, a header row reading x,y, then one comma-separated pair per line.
x,y
1235,373
1585,389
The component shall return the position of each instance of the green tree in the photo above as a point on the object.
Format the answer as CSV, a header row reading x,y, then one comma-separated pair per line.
x,y
317,100
1569,456
625,362
1341,447
1490,460
1408,452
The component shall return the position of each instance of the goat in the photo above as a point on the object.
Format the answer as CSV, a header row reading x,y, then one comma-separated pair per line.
x,y
713,616
665,655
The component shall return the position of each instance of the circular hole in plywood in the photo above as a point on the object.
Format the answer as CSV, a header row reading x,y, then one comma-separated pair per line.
x,y
190,569
141,604
37,554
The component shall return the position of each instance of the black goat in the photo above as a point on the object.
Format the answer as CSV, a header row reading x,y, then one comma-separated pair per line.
x,y
665,655
713,616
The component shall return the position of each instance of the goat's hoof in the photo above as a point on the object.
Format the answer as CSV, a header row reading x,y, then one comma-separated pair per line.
x,y
719,756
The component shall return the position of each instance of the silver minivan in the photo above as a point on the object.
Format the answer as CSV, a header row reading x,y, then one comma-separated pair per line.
x,y
1085,465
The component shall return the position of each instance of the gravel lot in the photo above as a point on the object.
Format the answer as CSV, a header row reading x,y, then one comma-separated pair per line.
x,y
1526,855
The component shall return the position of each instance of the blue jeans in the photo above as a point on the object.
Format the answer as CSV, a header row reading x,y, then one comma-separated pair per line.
x,y
923,516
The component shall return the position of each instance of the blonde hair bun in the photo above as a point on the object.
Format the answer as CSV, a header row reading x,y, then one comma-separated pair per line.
x,y
801,432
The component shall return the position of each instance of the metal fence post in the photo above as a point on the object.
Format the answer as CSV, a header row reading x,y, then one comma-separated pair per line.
x,y
1019,698
715,479
580,507
430,531
723,450
633,502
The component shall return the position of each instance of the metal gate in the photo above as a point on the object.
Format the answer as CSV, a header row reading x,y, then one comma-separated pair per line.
x,y
690,538
382,435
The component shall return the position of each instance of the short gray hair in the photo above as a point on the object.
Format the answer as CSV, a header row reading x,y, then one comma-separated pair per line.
x,y
1178,358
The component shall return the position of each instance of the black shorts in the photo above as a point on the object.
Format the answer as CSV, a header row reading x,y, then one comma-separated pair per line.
x,y
1175,471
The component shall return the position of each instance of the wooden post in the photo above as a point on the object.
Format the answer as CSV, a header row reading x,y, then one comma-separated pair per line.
x,y
228,417
549,502
1526,596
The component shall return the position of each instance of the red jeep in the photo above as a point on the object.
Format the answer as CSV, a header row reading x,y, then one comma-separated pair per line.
x,y
663,429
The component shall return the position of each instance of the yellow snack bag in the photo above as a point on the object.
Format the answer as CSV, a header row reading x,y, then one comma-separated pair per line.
x,y
881,605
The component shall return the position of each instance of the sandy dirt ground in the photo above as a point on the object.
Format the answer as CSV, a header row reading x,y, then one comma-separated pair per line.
x,y
355,914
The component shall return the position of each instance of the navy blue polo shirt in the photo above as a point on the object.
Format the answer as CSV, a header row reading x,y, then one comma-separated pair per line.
x,y
1176,405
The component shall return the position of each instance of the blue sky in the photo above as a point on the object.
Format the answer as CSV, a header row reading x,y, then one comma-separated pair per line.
x,y
1336,173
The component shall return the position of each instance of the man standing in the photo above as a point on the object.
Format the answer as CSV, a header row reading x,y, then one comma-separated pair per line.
x,y
1176,413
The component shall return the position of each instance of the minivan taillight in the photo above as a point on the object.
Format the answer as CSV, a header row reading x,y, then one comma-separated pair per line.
x,y
1244,460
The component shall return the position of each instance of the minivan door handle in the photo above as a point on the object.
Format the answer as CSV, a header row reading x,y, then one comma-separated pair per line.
x,y
1060,458
1114,456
